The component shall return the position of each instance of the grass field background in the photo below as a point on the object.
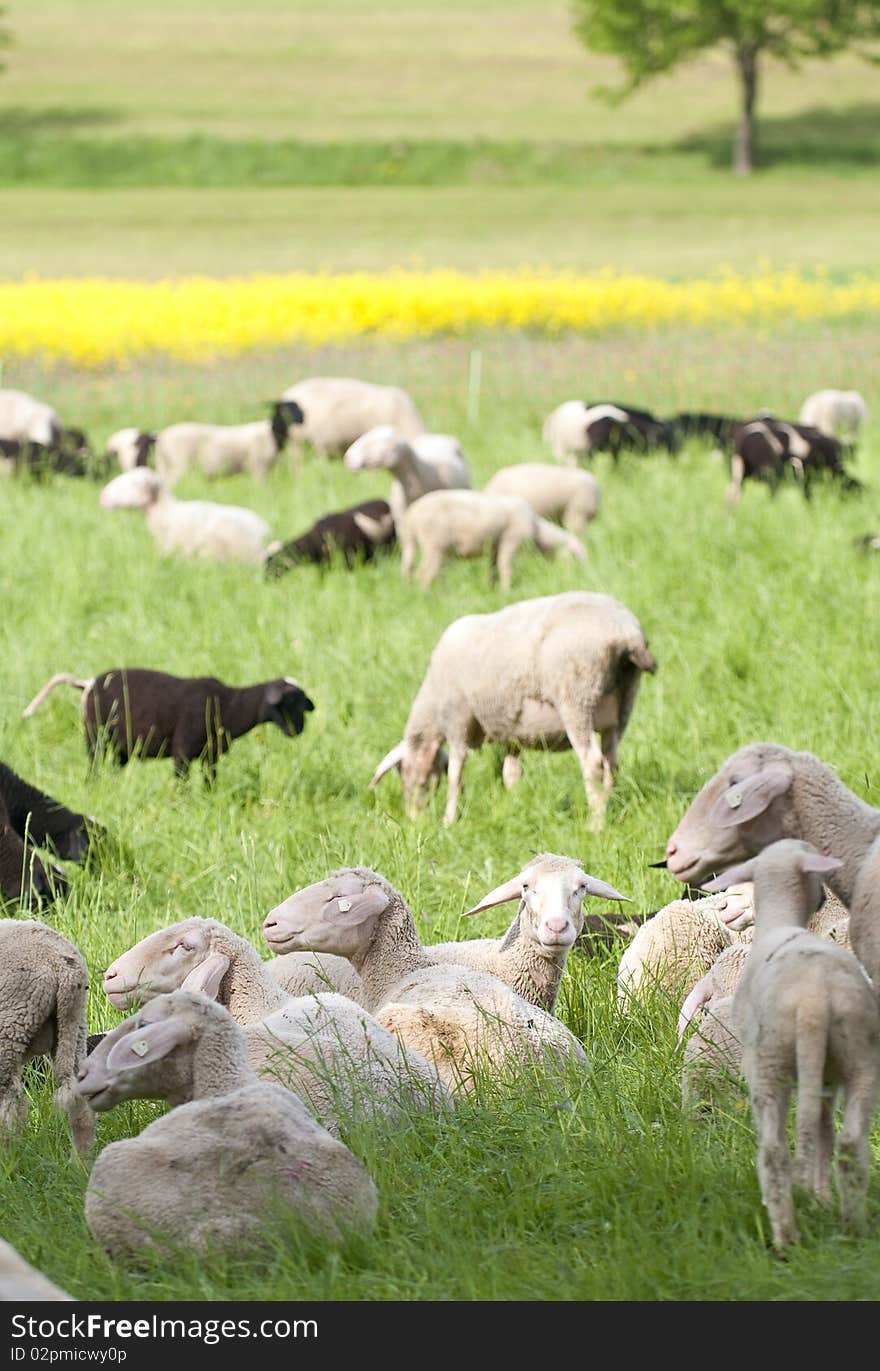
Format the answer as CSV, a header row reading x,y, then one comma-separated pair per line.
x,y
228,139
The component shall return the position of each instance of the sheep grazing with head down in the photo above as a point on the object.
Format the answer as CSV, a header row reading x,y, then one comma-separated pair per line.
x,y
233,1152
339,409
190,528
805,1012
43,986
429,461
558,672
765,792
137,712
531,955
457,1018
566,494
839,413
352,534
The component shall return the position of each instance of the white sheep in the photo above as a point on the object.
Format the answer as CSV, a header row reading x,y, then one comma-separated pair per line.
x,y
469,522
839,413
565,493
531,956
131,447
338,409
192,528
429,461
556,672
308,973
323,1046
234,1153
225,449
457,1018
681,942
43,986
806,1013
21,1283
565,431
26,419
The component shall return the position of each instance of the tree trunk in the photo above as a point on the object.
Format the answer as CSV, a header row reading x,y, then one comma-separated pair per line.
x,y
744,141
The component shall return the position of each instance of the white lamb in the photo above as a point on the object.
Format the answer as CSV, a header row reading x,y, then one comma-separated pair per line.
x,y
191,528
338,409
565,493
225,449
839,413
469,522
430,461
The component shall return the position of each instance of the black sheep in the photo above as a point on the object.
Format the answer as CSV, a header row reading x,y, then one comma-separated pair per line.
x,y
353,533
138,712
22,875
617,428
41,820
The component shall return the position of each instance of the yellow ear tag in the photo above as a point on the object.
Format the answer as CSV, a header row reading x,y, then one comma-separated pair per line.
x,y
344,906
140,1048
734,799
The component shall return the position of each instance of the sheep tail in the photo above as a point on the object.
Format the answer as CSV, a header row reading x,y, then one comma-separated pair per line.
x,y
642,658
810,1051
63,678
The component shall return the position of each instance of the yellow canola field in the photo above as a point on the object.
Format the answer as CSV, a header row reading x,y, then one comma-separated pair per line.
x,y
92,322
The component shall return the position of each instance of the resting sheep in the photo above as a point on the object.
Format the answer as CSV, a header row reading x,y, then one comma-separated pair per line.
x,y
43,986
557,672
838,413
192,528
430,461
469,522
338,409
22,875
352,533
233,1153
564,493
137,712
225,449
41,820
457,1018
21,1283
805,1012
765,792
681,943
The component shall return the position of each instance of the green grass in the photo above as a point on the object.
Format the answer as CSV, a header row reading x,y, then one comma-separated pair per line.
x,y
763,626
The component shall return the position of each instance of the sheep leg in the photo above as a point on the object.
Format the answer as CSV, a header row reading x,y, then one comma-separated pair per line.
x,y
507,549
13,1105
457,755
511,771
432,560
588,748
408,560
737,476
610,748
853,1153
574,519
770,1109
824,1151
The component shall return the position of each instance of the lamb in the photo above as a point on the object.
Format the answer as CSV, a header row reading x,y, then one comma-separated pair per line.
x,y
355,533
21,1283
765,792
225,449
43,986
805,1012
569,495
192,528
137,712
837,413
468,522
131,447
430,461
681,943
233,1152
323,1046
532,954
457,1018
22,875
41,820
27,419
337,410
555,672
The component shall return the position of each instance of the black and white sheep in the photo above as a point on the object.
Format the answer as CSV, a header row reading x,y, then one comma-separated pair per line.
x,y
145,713
764,449
352,533
225,449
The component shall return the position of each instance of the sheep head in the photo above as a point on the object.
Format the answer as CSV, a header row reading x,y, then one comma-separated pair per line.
x,y
375,449
420,762
163,962
286,704
336,915
551,891
135,489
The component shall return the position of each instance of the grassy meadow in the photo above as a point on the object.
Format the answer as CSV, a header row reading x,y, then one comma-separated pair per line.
x,y
221,138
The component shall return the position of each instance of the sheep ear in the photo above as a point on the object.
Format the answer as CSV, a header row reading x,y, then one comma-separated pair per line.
x,y
747,799
607,892
511,890
208,975
374,529
391,760
817,861
346,911
144,1045
734,875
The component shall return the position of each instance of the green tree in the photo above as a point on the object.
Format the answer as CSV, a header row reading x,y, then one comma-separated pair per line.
x,y
653,36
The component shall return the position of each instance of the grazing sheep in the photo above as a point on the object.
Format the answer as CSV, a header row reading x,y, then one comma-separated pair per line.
x,y
353,534
616,429
323,1046
43,986
27,419
568,494
131,447
144,713
225,449
532,954
565,431
233,1152
67,455
764,792
22,875
470,521
192,528
337,410
764,449
681,943
556,672
430,461
21,1283
454,1017
837,413
42,820
806,1014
